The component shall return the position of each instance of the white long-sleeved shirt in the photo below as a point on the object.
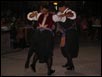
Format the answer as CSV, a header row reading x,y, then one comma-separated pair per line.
x,y
55,17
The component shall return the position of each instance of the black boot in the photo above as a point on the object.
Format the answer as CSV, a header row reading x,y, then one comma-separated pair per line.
x,y
33,67
49,65
65,65
70,63
50,72
70,68
26,65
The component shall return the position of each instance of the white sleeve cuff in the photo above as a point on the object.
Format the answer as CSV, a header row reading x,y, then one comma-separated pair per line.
x,y
74,16
33,18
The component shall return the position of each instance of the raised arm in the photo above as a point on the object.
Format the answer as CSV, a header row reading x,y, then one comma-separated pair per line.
x,y
33,15
69,14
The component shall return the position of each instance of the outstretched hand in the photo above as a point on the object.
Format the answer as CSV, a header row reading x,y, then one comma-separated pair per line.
x,y
33,14
69,14
62,15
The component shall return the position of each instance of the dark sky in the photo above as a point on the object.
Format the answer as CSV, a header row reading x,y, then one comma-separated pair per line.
x,y
90,7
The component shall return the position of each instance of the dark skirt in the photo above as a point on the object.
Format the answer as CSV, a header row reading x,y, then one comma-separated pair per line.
x,y
43,43
72,44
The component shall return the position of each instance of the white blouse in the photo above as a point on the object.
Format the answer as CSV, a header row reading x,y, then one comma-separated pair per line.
x,y
55,17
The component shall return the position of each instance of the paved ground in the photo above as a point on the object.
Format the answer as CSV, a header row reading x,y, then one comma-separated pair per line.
x,y
88,62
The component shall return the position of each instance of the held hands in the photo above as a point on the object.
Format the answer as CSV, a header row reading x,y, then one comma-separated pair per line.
x,y
62,15
33,14
69,14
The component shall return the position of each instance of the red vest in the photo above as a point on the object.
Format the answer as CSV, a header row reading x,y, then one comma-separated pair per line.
x,y
48,22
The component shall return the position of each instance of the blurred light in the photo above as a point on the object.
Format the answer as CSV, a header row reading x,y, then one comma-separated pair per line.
x,y
55,3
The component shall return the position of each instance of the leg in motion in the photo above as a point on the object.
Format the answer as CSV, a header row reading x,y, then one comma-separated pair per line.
x,y
33,65
30,53
49,66
70,63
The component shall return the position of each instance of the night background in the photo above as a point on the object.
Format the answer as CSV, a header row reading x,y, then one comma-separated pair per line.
x,y
81,7
17,31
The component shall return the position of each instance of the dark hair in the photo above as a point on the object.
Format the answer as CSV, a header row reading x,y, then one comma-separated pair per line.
x,y
46,7
61,4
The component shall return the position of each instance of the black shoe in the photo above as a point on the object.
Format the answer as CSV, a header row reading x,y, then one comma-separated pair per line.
x,y
33,68
70,68
51,72
65,65
26,65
